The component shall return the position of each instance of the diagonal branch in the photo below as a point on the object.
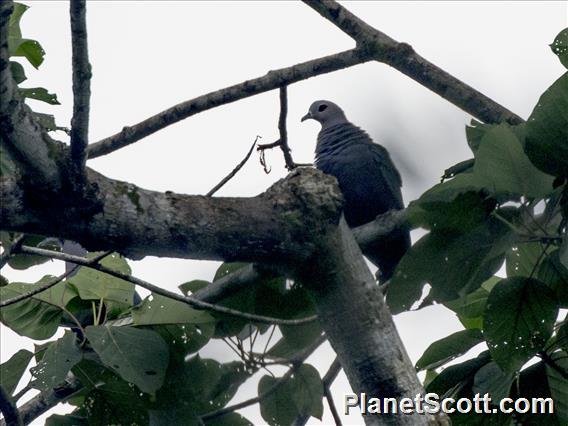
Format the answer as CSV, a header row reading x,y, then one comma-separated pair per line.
x,y
50,283
189,300
9,410
270,81
81,90
402,57
234,171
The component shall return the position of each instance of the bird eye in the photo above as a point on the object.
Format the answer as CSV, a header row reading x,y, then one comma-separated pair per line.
x,y
322,108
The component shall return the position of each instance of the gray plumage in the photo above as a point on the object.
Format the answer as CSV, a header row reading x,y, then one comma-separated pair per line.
x,y
367,177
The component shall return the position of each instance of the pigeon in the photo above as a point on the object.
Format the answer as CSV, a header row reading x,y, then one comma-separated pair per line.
x,y
367,177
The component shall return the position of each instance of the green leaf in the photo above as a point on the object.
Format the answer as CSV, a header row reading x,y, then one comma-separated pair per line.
x,y
231,419
533,383
300,395
58,360
492,380
39,94
449,348
36,317
307,391
547,130
47,122
455,377
462,262
212,386
185,338
109,399
430,375
94,285
18,73
464,212
522,259
12,370
138,356
192,286
66,420
31,50
24,261
156,309
506,169
555,275
560,47
470,308
558,384
519,318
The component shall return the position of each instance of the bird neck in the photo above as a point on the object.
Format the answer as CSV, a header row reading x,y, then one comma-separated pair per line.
x,y
334,121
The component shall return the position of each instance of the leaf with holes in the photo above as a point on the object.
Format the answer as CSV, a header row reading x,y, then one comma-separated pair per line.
x,y
156,309
518,320
58,360
138,356
449,348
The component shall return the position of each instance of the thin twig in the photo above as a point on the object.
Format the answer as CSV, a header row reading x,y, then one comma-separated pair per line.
x,y
282,142
196,303
9,409
5,257
54,281
272,80
298,361
290,165
402,57
235,170
81,89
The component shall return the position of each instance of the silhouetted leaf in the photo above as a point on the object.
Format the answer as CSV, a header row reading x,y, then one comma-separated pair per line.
x,y
449,348
560,47
519,317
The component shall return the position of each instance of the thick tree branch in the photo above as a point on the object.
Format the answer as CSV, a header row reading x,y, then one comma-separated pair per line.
x,y
270,81
19,132
189,300
9,410
365,339
81,90
136,222
402,57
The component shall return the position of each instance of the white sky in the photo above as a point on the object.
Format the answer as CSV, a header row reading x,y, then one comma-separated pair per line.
x,y
147,56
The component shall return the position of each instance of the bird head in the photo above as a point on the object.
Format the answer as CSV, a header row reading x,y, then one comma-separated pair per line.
x,y
326,113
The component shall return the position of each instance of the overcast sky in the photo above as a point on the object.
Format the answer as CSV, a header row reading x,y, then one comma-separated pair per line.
x,y
148,56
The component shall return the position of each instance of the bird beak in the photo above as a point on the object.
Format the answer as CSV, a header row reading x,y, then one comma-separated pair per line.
x,y
306,117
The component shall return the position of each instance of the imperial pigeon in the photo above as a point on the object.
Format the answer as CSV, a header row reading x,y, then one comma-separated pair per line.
x,y
367,177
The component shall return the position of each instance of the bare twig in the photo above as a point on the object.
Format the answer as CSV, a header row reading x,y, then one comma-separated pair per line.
x,y
270,81
50,283
328,379
402,57
9,410
290,165
192,301
234,171
297,362
282,142
81,90
8,251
